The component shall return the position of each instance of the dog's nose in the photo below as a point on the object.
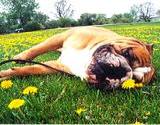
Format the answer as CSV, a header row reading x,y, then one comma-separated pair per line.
x,y
107,76
103,70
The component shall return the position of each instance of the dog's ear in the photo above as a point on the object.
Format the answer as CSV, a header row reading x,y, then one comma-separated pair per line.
x,y
149,48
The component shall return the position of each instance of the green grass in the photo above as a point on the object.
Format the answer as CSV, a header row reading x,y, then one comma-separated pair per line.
x,y
59,95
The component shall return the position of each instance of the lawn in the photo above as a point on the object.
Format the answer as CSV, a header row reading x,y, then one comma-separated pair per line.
x,y
60,95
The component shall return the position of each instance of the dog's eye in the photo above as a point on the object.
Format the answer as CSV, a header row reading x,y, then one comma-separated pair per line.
x,y
126,53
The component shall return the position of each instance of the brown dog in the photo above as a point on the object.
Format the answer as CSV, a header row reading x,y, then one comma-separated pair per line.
x,y
100,56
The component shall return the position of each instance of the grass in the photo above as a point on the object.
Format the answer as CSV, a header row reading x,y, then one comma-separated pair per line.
x,y
60,95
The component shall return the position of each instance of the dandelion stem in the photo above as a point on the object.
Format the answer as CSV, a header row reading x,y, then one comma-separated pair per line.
x,y
21,112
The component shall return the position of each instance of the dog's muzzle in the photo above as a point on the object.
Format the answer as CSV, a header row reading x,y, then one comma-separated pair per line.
x,y
108,70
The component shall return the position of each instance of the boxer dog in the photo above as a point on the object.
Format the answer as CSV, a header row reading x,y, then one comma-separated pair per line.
x,y
101,57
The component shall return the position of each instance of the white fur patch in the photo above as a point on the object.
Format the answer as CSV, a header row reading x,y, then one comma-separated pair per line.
x,y
143,69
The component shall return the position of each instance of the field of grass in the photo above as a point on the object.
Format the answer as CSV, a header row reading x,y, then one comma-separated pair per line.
x,y
60,95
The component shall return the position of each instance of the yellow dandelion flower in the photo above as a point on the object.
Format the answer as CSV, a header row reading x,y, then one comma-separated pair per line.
x,y
139,85
6,84
138,123
148,113
13,62
128,84
80,110
16,103
30,90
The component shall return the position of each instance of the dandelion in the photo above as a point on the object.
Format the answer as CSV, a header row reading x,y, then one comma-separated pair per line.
x,y
6,84
128,84
80,110
30,90
138,85
16,103
13,62
148,113
138,123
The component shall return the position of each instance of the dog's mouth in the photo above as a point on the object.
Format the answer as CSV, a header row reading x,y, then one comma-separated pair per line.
x,y
108,70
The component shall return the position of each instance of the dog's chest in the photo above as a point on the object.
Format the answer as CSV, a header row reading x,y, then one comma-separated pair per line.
x,y
76,60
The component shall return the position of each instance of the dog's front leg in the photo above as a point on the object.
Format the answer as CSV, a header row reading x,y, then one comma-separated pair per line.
x,y
144,74
34,70
50,44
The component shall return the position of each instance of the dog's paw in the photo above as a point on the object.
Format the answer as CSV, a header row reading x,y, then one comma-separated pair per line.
x,y
26,55
3,74
20,56
6,74
4,78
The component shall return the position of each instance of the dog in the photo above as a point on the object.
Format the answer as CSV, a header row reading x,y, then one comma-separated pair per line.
x,y
101,57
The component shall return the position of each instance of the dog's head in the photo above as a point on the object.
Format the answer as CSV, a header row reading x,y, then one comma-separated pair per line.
x,y
119,60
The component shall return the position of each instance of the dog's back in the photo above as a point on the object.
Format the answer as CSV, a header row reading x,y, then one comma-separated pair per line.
x,y
82,37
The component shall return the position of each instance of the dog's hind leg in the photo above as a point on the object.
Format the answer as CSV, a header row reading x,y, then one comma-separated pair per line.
x,y
34,70
51,44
